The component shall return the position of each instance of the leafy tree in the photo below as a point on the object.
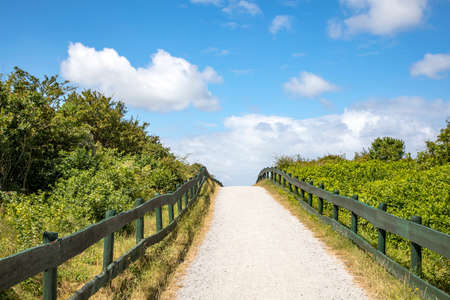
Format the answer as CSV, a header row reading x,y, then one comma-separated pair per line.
x,y
104,118
29,138
284,161
438,152
387,149
41,121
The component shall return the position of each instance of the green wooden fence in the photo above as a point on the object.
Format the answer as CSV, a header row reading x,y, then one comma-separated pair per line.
x,y
412,230
54,251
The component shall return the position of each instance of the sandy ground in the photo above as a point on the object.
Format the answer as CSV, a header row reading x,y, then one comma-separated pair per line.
x,y
255,249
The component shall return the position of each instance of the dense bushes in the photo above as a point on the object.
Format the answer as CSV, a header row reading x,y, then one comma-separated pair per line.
x,y
402,185
408,187
39,120
67,157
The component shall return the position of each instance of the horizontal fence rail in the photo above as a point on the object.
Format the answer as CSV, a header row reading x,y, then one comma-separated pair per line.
x,y
418,235
45,258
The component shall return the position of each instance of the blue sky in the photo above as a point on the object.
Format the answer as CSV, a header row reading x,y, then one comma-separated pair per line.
x,y
234,83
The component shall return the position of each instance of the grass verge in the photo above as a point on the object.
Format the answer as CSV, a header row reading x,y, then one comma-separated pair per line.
x,y
176,278
372,277
147,278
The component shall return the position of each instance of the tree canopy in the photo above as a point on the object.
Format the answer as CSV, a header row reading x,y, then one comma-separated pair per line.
x,y
40,120
387,149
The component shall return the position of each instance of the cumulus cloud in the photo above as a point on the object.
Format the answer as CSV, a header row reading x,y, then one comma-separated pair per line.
x,y
242,6
251,142
378,17
432,65
168,83
280,23
308,85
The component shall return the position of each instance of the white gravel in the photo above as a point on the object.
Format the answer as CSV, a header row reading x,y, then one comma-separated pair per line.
x,y
255,249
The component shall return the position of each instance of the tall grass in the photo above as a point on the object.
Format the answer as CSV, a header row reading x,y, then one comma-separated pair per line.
x,y
146,278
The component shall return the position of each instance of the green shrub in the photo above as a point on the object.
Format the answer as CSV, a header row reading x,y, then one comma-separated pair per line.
x,y
438,152
387,148
405,187
90,185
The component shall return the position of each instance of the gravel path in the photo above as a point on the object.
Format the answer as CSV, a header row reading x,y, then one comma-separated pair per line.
x,y
255,249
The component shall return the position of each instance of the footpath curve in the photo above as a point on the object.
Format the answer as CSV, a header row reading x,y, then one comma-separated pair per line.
x,y
255,249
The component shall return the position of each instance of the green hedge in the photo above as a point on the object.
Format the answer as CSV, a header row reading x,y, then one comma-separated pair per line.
x,y
404,186
88,188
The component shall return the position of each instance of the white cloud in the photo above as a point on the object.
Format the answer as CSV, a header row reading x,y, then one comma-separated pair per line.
x,y
216,51
167,83
242,6
308,85
232,7
213,2
234,25
432,65
378,17
291,3
334,29
280,23
251,142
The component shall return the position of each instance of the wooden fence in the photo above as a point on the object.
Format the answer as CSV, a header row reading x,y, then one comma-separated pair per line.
x,y
54,251
418,235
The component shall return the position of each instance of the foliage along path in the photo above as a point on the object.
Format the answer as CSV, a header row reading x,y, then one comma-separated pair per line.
x,y
255,249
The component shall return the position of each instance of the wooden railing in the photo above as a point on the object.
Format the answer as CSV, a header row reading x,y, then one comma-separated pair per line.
x,y
418,235
54,251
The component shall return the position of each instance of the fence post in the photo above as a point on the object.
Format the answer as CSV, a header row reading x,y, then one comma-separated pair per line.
x,y
290,185
108,243
50,275
416,251
139,223
158,214
170,213
186,200
296,187
310,196
382,233
336,208
302,192
179,204
320,202
355,218
190,195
